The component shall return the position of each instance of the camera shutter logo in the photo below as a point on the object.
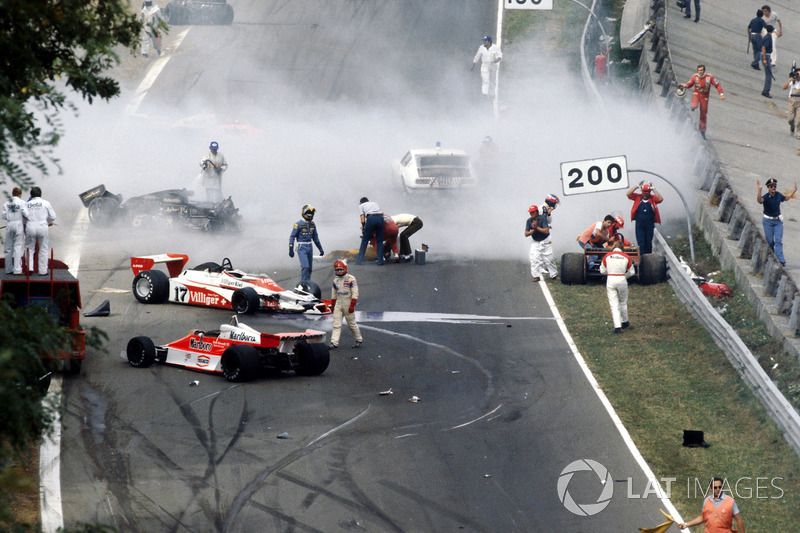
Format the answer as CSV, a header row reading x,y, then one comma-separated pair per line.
x,y
585,509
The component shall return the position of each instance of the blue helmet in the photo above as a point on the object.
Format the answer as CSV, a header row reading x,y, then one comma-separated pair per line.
x,y
552,200
214,146
487,38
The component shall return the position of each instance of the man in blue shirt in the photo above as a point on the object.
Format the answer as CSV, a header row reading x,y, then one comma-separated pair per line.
x,y
772,219
754,30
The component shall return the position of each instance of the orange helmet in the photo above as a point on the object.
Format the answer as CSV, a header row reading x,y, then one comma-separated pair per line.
x,y
619,221
533,209
340,267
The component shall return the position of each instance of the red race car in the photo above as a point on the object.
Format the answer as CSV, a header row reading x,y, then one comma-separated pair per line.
x,y
237,351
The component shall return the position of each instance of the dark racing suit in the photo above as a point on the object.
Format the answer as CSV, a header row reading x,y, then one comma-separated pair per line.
x,y
305,231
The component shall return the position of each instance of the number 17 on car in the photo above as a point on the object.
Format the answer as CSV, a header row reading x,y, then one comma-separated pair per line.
x,y
594,175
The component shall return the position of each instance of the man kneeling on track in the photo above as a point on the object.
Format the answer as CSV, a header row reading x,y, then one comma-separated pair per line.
x,y
618,267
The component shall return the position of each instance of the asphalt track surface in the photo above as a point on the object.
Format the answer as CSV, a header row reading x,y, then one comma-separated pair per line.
x,y
504,405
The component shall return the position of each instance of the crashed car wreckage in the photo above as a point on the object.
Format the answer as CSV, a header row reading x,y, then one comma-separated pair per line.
x,y
172,206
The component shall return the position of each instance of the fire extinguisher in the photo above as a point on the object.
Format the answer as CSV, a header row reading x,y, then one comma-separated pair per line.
x,y
600,66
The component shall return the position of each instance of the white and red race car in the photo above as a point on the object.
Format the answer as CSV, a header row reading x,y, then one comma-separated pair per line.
x,y
237,351
220,286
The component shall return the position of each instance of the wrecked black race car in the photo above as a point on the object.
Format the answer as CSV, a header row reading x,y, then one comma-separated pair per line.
x,y
173,206
179,12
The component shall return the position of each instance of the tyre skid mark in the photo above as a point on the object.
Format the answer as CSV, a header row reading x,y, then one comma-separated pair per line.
x,y
293,522
246,494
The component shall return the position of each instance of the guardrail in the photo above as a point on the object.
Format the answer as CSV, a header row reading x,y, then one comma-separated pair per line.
x,y
777,298
739,355
725,219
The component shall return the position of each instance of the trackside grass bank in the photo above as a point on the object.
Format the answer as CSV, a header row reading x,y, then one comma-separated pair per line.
x,y
664,375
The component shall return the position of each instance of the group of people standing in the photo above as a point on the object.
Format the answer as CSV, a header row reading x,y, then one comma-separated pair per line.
x,y
377,228
603,235
27,227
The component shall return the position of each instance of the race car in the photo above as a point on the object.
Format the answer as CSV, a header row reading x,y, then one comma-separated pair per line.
x,y
576,268
434,169
237,351
171,207
180,12
219,285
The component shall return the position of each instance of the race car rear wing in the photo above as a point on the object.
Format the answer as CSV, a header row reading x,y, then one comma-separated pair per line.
x,y
175,263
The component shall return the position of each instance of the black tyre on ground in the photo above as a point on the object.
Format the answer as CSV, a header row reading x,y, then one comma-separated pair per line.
x,y
103,210
240,363
312,359
151,287
652,269
245,301
573,269
311,288
141,352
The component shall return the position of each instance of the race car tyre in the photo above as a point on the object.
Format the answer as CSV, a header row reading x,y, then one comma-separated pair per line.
x,y
103,209
312,359
210,266
652,269
573,269
245,301
141,352
311,288
240,363
151,287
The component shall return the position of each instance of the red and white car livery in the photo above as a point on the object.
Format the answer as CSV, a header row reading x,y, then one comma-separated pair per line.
x,y
237,351
220,286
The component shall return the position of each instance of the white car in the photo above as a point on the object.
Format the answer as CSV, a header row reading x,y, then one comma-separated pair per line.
x,y
220,286
434,168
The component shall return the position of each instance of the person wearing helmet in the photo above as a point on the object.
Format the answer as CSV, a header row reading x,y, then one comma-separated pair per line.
x,y
489,56
14,213
618,267
305,232
213,165
645,213
152,26
537,227
344,296
39,216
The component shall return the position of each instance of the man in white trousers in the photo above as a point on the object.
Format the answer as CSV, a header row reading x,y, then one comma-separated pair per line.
x,y
40,216
618,267
489,56
344,294
537,227
13,212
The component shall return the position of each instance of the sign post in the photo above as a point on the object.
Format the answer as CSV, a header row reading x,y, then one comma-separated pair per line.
x,y
529,4
594,175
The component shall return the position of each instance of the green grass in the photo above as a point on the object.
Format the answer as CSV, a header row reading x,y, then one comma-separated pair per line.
x,y
666,374
739,312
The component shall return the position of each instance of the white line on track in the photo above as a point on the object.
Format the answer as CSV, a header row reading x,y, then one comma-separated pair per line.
x,y
52,511
493,411
626,437
50,466
150,78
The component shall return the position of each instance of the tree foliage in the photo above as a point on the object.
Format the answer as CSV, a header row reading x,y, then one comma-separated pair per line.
x,y
50,47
